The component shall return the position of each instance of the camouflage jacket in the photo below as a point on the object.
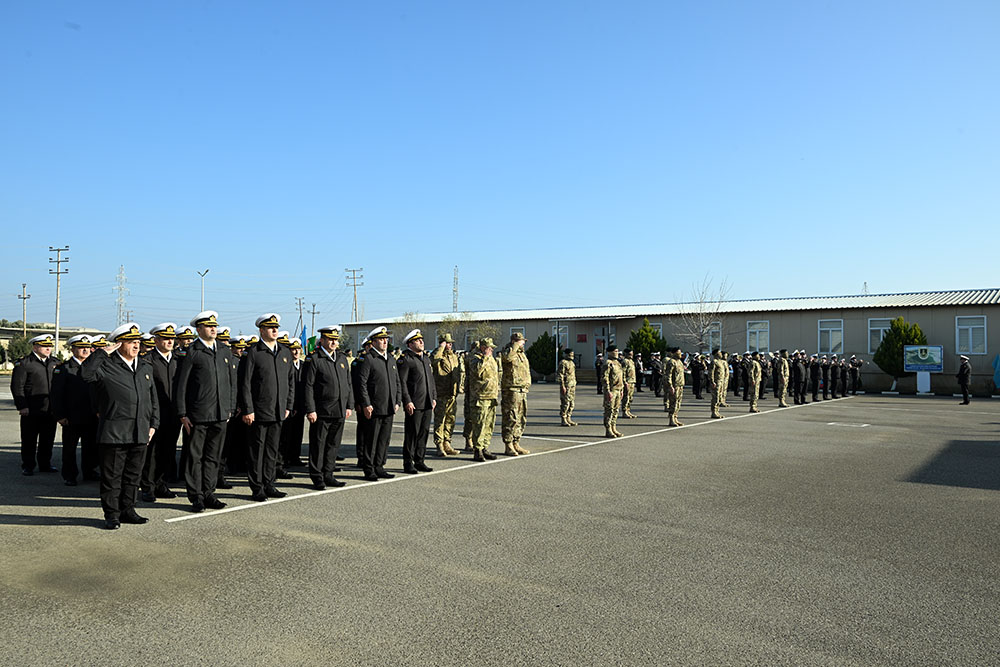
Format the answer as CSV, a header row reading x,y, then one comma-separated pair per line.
x,y
567,374
753,372
614,377
484,381
516,371
675,373
447,372
720,371
628,370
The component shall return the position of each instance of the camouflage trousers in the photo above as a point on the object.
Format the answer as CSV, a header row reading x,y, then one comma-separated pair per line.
x,y
628,393
484,418
513,415
612,406
781,391
672,402
444,419
468,417
717,397
567,402
754,393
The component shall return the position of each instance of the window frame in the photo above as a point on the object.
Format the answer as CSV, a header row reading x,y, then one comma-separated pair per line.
x,y
756,348
819,336
882,329
958,347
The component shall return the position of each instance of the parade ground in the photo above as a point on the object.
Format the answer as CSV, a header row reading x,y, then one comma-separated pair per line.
x,y
857,531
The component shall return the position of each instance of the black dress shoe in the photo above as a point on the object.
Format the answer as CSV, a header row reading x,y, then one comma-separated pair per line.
x,y
70,482
334,482
27,472
272,492
112,524
422,467
258,497
132,517
410,470
319,486
197,506
163,492
488,455
148,497
370,476
223,484
337,468
214,503
382,474
47,469
283,474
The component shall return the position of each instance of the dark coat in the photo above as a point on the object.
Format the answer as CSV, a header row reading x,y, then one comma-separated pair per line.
x,y
814,369
31,383
377,384
266,382
165,377
416,379
964,374
71,397
205,388
126,402
327,387
300,386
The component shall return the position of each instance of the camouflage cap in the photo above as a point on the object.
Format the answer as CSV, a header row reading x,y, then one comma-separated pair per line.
x,y
445,338
517,335
486,342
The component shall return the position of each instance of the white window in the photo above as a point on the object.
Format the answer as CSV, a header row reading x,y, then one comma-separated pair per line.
x,y
714,338
514,330
831,337
563,335
970,335
657,327
468,339
877,329
758,336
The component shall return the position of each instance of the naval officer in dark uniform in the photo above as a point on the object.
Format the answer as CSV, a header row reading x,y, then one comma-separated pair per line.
x,y
378,396
416,380
327,399
30,384
125,398
73,409
266,398
206,399
161,455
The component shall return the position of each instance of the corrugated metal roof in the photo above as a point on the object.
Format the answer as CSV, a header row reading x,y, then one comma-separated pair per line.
x,y
978,297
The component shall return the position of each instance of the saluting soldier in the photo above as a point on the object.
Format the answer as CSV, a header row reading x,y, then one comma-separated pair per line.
x,y
146,344
484,384
697,373
161,455
673,387
629,383
416,380
855,372
73,408
447,382
206,400
266,397
825,371
327,400
834,376
613,381
815,370
717,382
125,398
515,380
31,384
567,388
378,396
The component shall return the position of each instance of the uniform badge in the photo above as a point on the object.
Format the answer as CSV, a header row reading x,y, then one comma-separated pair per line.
x,y
147,376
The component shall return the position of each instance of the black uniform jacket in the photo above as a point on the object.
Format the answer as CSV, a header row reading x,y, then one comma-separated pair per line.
x,y
814,367
31,383
964,374
71,396
327,387
377,384
416,379
125,400
165,377
205,388
267,382
300,386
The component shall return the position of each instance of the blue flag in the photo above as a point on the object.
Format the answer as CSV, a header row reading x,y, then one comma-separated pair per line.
x,y
304,340
996,371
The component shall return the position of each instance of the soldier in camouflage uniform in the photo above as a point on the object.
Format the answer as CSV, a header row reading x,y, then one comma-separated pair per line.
x,y
613,380
628,391
567,388
447,381
754,371
673,385
781,373
515,380
467,406
717,381
726,373
484,383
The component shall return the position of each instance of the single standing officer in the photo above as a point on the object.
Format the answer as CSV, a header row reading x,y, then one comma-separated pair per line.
x,y
416,380
717,381
266,397
613,381
629,386
73,408
161,455
447,382
484,383
30,384
567,388
328,400
293,428
515,380
754,372
125,398
673,387
378,395
964,377
781,374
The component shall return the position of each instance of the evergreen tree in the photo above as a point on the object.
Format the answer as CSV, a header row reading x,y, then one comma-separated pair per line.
x,y
542,354
889,355
646,340
17,348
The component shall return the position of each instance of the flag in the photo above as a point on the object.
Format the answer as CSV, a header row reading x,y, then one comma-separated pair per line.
x,y
996,371
312,343
304,340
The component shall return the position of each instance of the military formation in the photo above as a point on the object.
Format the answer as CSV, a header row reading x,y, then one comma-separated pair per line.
x,y
241,404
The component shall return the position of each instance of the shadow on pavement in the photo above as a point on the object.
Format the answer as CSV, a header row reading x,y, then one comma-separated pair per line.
x,y
965,463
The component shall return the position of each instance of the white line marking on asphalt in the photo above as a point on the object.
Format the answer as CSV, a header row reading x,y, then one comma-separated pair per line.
x,y
538,437
948,410
497,461
847,424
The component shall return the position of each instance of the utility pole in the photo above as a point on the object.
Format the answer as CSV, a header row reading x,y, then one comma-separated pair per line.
x,y
314,313
122,293
454,292
202,274
354,277
58,274
298,304
24,310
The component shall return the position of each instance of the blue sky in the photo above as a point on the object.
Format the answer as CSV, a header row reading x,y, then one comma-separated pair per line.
x,y
560,153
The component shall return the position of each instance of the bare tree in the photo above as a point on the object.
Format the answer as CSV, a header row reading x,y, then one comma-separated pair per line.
x,y
703,315
406,323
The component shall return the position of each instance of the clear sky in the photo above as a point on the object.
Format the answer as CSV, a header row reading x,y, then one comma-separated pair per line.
x,y
559,153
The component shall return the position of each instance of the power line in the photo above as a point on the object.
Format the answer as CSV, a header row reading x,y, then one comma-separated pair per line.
x,y
454,292
314,313
298,304
58,274
122,293
24,310
355,284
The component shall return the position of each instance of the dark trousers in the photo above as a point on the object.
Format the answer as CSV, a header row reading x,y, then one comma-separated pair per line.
x,y
160,465
234,451
763,387
291,438
416,427
965,392
185,453
833,387
324,442
826,388
814,383
38,433
797,392
696,383
121,466
803,388
855,382
375,434
204,450
262,454
90,461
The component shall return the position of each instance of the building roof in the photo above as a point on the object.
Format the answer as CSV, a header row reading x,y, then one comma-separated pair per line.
x,y
977,297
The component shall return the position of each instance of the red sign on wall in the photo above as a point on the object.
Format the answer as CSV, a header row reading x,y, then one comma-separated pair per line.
x,y
581,338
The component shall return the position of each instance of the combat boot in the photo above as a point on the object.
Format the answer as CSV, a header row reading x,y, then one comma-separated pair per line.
x,y
478,456
448,449
619,434
509,450
572,423
488,455
754,410
716,415
673,422
782,405
519,449
441,450
608,433
468,445
565,422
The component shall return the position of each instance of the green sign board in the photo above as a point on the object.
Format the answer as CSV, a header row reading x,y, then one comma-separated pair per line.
x,y
928,358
